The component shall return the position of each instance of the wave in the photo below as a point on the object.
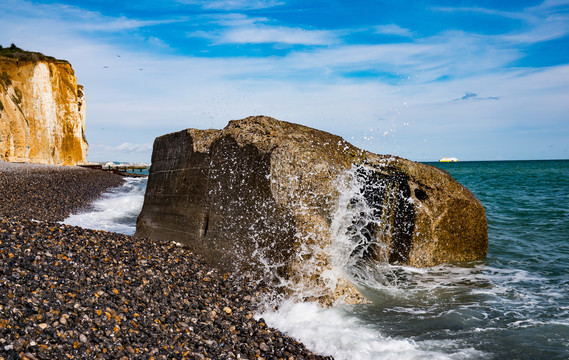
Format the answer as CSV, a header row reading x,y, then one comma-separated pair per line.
x,y
115,211
341,332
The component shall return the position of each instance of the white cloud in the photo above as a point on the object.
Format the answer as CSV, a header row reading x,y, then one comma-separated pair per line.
x,y
542,22
123,152
262,34
74,18
230,5
242,29
481,10
393,29
110,25
136,148
555,27
551,6
237,20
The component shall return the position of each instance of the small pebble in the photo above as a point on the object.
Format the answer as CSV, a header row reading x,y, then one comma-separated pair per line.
x,y
113,296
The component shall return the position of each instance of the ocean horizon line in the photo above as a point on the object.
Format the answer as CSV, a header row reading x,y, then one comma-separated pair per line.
x,y
148,163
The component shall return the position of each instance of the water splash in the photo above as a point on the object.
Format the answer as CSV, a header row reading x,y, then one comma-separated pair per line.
x,y
334,258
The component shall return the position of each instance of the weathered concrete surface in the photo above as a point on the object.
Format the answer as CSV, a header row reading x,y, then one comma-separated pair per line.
x,y
264,196
42,111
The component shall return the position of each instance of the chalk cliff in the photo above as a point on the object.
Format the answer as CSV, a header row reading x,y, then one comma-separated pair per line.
x,y
302,206
42,110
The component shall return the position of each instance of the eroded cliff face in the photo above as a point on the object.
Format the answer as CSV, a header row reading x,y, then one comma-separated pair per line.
x,y
42,112
301,206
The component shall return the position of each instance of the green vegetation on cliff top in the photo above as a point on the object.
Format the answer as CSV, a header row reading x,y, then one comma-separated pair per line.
x,y
14,52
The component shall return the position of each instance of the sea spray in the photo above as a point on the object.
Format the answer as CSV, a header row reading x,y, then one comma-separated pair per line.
x,y
357,234
360,234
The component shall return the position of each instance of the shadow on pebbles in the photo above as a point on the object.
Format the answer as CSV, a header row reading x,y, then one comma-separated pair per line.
x,y
72,293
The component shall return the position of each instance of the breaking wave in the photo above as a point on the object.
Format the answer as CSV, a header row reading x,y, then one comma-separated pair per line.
x,y
116,210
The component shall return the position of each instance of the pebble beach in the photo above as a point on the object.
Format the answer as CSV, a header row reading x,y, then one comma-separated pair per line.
x,y
73,293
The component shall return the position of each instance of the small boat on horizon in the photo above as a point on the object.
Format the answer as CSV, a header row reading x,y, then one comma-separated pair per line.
x,y
448,159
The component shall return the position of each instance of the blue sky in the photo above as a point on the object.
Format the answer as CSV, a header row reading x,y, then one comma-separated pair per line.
x,y
479,80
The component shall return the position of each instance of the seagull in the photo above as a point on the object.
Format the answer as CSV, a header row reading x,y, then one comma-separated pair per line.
x,y
106,67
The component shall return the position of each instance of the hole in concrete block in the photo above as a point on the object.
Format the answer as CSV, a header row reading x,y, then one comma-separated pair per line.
x,y
420,194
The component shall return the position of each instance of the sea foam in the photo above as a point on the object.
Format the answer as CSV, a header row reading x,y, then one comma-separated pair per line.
x,y
116,210
341,333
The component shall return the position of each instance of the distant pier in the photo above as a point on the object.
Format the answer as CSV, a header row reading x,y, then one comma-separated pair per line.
x,y
122,170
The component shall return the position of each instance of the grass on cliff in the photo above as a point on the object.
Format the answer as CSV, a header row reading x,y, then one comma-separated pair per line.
x,y
14,52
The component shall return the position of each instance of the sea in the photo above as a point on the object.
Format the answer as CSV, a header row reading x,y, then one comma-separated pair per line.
x,y
512,305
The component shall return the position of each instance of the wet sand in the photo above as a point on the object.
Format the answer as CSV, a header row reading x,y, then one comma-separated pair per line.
x,y
72,293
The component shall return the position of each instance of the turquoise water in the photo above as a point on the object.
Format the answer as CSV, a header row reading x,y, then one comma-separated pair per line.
x,y
527,208
513,305
144,171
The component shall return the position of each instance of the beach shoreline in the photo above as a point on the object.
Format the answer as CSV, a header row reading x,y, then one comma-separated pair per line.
x,y
49,192
70,292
